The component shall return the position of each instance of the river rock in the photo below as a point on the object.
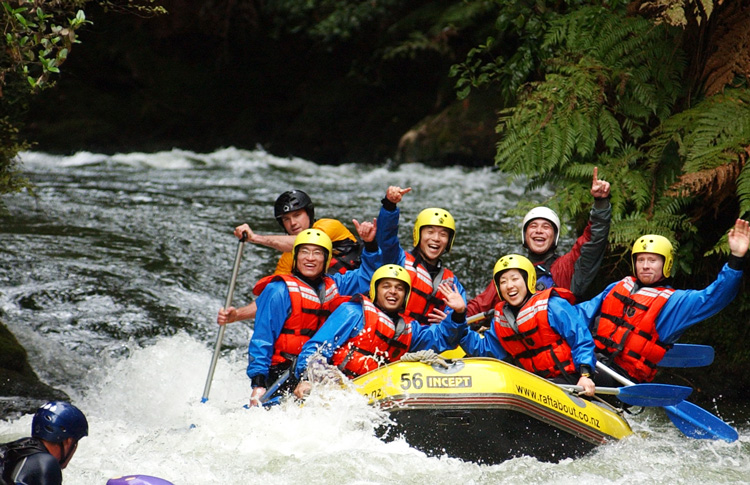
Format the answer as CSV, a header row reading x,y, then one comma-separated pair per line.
x,y
463,133
21,391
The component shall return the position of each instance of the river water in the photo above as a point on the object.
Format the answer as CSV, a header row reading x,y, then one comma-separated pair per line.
x,y
112,276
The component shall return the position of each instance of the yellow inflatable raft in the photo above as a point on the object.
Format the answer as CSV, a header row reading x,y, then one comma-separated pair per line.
x,y
487,411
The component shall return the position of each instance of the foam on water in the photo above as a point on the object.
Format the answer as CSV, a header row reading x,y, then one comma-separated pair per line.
x,y
112,279
146,417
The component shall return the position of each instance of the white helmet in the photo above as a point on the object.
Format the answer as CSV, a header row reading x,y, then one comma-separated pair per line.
x,y
540,213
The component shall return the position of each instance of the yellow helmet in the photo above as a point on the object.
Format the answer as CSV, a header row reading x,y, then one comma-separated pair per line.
x,y
515,261
435,217
652,243
390,271
316,237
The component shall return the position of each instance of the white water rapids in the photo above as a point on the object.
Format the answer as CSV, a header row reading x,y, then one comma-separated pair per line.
x,y
112,278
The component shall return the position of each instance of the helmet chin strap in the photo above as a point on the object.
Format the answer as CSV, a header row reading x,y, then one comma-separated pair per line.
x,y
64,456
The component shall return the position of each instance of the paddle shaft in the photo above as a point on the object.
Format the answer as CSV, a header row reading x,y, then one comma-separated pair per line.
x,y
222,328
275,386
479,316
612,391
615,375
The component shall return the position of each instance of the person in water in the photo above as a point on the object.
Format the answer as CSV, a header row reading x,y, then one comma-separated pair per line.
x,y
576,269
539,331
295,212
369,331
433,237
635,321
56,429
292,307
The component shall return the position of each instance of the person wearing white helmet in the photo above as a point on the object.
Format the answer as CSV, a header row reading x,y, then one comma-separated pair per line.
x,y
636,320
574,270
56,428
373,329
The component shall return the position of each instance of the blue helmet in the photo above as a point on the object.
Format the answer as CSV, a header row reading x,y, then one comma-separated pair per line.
x,y
58,420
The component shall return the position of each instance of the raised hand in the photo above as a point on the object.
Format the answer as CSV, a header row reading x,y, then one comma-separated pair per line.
x,y
452,297
366,230
395,194
599,188
739,238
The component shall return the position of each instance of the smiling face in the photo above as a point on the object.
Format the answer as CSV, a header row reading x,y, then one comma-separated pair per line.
x,y
539,235
512,287
649,268
295,222
433,240
310,260
391,294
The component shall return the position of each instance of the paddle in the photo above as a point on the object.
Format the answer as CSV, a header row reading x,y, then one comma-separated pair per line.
x,y
479,317
658,395
275,386
692,420
222,328
688,355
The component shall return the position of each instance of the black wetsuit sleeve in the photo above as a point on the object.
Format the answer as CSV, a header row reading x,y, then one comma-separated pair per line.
x,y
38,469
592,252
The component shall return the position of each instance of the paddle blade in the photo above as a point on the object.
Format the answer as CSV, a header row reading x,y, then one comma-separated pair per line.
x,y
653,394
688,355
696,422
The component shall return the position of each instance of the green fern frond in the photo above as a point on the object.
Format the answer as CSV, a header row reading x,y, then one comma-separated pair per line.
x,y
743,189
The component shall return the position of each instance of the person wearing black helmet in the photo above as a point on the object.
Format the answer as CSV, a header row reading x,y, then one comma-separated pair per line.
x,y
39,460
295,212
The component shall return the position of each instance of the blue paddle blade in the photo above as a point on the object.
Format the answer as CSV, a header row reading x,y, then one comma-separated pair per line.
x,y
696,422
688,355
653,394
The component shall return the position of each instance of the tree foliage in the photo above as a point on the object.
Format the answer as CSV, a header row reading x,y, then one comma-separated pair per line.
x,y
38,37
614,91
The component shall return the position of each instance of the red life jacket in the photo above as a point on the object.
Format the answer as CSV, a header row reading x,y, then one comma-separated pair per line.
x,y
535,345
309,311
626,328
424,294
380,341
346,256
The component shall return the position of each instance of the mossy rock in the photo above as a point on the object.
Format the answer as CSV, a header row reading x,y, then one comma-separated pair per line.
x,y
21,391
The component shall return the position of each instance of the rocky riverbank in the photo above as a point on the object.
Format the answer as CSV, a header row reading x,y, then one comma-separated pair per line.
x,y
21,391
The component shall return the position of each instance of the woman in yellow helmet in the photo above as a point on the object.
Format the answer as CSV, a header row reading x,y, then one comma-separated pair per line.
x,y
538,331
369,331
636,320
433,236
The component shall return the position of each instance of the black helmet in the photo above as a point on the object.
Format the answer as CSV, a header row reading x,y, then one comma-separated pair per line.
x,y
58,420
290,201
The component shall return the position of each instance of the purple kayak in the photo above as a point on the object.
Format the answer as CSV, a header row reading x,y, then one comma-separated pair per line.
x,y
138,480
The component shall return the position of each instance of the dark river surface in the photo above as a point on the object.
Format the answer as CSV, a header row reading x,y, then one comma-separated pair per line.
x,y
112,277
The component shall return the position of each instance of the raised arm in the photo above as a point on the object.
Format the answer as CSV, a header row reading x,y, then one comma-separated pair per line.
x,y
280,242
591,252
387,233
